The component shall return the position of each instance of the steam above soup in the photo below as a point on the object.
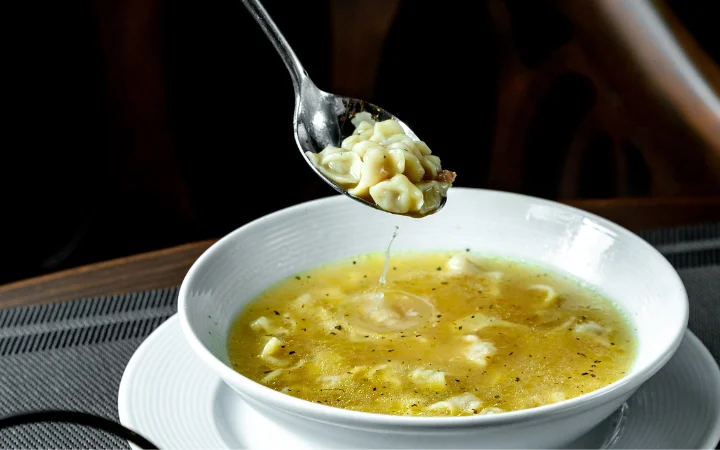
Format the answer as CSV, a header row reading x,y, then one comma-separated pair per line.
x,y
447,334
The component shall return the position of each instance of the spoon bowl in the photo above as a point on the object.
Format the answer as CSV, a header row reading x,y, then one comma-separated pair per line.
x,y
323,119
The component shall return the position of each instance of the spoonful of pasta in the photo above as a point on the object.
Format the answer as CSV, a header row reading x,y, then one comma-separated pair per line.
x,y
358,148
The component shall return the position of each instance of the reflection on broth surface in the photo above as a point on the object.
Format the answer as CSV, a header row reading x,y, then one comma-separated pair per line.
x,y
448,334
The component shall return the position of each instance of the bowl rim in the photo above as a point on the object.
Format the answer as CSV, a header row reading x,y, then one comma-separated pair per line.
x,y
346,417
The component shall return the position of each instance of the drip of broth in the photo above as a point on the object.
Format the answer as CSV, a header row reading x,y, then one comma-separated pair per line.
x,y
393,309
454,334
387,257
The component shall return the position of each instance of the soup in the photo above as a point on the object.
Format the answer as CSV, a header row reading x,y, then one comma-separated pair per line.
x,y
441,333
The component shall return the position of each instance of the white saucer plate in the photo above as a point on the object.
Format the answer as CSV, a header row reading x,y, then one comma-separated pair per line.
x,y
171,398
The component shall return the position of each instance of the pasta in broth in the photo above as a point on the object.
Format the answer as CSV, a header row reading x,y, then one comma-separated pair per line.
x,y
447,334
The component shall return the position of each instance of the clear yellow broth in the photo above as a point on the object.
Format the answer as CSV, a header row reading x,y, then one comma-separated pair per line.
x,y
449,333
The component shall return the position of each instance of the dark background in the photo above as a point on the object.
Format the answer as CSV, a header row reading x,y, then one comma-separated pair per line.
x,y
141,124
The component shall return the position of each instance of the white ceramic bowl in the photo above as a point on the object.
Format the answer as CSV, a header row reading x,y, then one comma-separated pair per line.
x,y
622,265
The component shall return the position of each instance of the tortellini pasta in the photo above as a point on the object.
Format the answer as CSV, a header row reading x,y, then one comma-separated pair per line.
x,y
270,350
460,404
596,332
431,379
479,350
383,165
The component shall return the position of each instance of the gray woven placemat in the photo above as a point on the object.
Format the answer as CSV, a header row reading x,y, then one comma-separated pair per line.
x,y
71,355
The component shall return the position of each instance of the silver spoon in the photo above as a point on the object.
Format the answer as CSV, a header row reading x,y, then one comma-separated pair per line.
x,y
321,118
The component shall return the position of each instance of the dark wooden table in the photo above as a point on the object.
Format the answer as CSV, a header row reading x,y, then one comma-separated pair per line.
x,y
166,268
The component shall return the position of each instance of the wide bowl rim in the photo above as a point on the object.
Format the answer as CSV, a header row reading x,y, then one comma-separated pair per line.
x,y
354,419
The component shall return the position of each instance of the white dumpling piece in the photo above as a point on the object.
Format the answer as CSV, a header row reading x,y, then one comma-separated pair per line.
x,y
478,351
262,324
339,165
413,169
433,194
277,372
385,373
404,142
270,350
267,326
349,142
378,165
361,117
461,265
362,147
422,148
385,129
594,331
551,297
430,379
398,195
334,381
432,166
460,404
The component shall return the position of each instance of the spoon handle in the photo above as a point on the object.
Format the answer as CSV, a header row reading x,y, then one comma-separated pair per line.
x,y
261,16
